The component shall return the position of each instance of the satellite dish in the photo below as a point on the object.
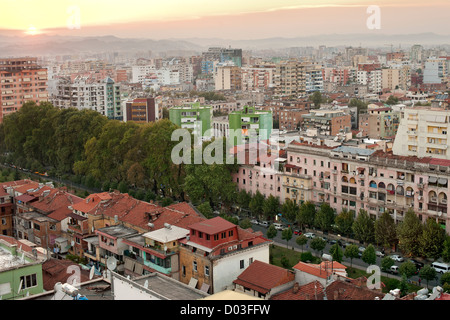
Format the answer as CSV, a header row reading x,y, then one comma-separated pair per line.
x,y
91,273
72,243
111,263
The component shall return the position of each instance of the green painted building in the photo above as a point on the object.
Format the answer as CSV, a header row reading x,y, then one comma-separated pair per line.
x,y
192,117
247,121
18,278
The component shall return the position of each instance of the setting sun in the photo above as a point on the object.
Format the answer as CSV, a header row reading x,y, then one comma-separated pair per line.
x,y
32,31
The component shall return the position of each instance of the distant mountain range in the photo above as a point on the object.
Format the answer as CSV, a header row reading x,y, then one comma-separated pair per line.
x,y
41,45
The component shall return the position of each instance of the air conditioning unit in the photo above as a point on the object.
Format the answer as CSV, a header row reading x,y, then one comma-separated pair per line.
x,y
230,248
235,247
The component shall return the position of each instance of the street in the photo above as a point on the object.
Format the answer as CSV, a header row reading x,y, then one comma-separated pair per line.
x,y
356,263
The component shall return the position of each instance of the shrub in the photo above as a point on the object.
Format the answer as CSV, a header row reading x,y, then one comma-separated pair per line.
x,y
306,256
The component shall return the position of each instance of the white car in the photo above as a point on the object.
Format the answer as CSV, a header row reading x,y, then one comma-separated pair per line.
x,y
310,235
379,254
396,257
264,223
254,221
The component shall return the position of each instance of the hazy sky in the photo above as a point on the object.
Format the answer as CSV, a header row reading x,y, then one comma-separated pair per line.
x,y
237,19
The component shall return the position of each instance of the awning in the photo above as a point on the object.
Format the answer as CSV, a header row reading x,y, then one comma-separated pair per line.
x,y
76,216
442,181
432,179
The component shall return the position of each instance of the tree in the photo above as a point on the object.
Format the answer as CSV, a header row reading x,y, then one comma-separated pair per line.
x,y
286,234
306,214
290,209
344,221
408,269
306,256
336,252
432,239
316,98
369,256
363,227
257,203
409,232
428,273
386,264
403,286
445,278
318,244
243,199
205,209
324,217
301,240
245,223
446,250
271,232
351,252
385,231
392,100
271,207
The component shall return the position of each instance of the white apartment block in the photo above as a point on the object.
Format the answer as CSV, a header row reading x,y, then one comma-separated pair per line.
x,y
257,78
423,132
84,93
139,73
373,80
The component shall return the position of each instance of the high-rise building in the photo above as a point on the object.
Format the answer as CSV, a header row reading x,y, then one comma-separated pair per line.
x,y
228,77
248,124
290,79
192,116
141,110
22,80
435,70
85,93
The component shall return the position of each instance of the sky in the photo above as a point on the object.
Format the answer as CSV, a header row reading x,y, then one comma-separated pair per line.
x,y
233,19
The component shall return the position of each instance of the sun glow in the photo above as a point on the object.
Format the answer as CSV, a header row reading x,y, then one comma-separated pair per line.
x,y
32,31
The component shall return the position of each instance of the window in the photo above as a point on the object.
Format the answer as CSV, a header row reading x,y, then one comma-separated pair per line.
x,y
28,281
183,270
36,226
200,235
250,260
241,263
216,237
230,233
4,221
207,271
224,235
195,266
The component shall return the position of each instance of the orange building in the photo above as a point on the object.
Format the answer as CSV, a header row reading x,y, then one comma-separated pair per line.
x,y
21,80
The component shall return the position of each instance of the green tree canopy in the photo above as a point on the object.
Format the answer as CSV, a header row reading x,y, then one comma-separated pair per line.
x,y
271,207
432,239
318,244
306,214
286,234
369,256
324,217
336,252
301,240
344,221
351,252
408,269
386,231
409,232
363,227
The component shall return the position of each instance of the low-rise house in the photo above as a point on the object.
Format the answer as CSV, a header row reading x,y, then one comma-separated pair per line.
x,y
155,251
217,251
263,280
324,272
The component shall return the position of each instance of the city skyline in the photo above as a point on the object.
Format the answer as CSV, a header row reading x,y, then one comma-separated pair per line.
x,y
251,20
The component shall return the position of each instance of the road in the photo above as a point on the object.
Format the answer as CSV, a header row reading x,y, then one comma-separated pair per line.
x,y
356,263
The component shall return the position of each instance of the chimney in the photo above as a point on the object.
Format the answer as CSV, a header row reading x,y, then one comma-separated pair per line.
x,y
336,295
295,288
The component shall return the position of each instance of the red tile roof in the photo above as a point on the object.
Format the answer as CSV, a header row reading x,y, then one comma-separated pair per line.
x,y
262,277
343,290
56,203
322,270
213,226
310,291
55,270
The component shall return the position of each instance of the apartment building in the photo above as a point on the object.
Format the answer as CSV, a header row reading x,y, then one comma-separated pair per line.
x,y
290,79
288,113
396,78
327,122
250,122
228,77
257,78
22,80
193,116
313,78
379,123
435,70
142,110
376,181
87,93
423,132
370,74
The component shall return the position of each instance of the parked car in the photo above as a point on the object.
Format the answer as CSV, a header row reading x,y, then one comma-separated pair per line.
x,y
297,232
379,254
393,270
278,226
264,223
254,221
419,265
397,258
310,235
361,249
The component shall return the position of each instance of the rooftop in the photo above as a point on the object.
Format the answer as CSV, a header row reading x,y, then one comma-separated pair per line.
x,y
167,234
213,226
